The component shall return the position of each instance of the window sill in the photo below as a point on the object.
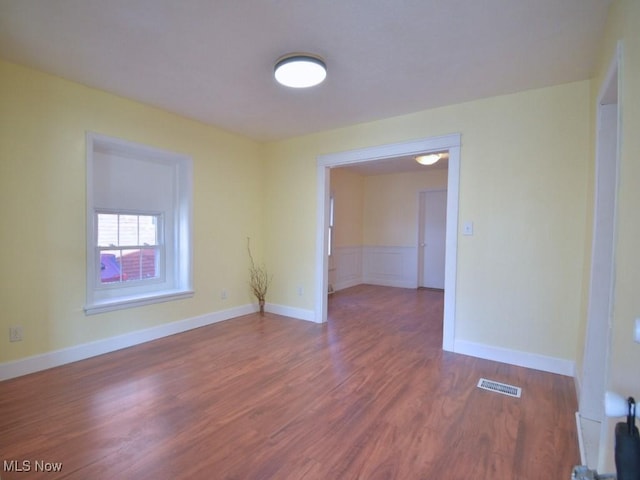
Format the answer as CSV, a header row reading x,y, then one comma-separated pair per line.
x,y
136,301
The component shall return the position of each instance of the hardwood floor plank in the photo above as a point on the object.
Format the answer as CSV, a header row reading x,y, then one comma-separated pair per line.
x,y
369,395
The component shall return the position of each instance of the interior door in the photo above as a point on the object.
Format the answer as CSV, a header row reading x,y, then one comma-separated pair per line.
x,y
433,222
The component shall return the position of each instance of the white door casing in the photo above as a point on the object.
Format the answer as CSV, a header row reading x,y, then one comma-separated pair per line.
x,y
601,285
414,147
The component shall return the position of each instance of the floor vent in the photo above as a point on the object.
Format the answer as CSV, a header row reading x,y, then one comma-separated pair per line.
x,y
499,387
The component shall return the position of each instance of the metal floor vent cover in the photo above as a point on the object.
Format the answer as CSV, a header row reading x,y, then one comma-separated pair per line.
x,y
499,388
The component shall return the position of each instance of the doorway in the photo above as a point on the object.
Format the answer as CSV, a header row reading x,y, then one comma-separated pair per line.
x,y
432,225
378,153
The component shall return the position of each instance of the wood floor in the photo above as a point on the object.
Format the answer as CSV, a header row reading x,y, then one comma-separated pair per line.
x,y
370,395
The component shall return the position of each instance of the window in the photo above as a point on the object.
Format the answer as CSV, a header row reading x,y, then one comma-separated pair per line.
x,y
330,240
138,225
129,247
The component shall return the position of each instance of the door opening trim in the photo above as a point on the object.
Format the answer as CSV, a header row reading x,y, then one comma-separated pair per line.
x,y
426,145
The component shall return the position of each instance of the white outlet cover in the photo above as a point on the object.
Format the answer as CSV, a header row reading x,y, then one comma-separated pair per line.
x,y
15,334
467,228
636,335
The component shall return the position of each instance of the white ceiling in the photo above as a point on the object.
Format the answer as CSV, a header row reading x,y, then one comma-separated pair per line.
x,y
212,60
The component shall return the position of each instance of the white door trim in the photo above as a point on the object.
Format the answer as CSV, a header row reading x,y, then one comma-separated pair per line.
x,y
381,152
595,364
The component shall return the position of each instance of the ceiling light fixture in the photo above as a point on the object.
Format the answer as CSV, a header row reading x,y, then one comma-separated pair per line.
x,y
428,159
300,70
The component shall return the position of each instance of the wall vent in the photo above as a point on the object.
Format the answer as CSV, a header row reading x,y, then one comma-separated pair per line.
x,y
499,388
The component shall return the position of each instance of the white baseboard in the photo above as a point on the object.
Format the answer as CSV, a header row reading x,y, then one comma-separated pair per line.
x,y
297,313
80,352
56,358
516,357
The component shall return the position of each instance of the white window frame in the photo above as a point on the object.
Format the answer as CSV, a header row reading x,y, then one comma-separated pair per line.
x,y
176,279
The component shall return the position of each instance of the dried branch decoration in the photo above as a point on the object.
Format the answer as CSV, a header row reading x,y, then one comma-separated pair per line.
x,y
259,279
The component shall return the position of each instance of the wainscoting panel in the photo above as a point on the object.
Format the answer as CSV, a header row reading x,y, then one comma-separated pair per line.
x,y
390,266
387,266
347,265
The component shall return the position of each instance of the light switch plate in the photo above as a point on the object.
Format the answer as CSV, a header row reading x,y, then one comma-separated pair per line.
x,y
467,228
636,335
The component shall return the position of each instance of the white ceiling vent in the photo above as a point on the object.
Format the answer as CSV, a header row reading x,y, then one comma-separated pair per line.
x,y
499,387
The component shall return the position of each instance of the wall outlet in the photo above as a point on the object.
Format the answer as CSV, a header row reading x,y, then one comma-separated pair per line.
x,y
15,334
300,290
223,294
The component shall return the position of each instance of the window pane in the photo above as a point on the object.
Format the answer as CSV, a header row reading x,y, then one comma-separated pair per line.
x,y
148,230
107,229
331,208
150,262
132,233
131,264
140,264
128,230
110,270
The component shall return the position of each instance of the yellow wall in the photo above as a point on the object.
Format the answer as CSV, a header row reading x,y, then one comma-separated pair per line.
x,y
290,213
524,166
43,121
347,189
523,182
380,210
625,353
391,206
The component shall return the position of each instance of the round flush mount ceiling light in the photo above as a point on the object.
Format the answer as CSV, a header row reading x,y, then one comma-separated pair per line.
x,y
429,159
300,70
